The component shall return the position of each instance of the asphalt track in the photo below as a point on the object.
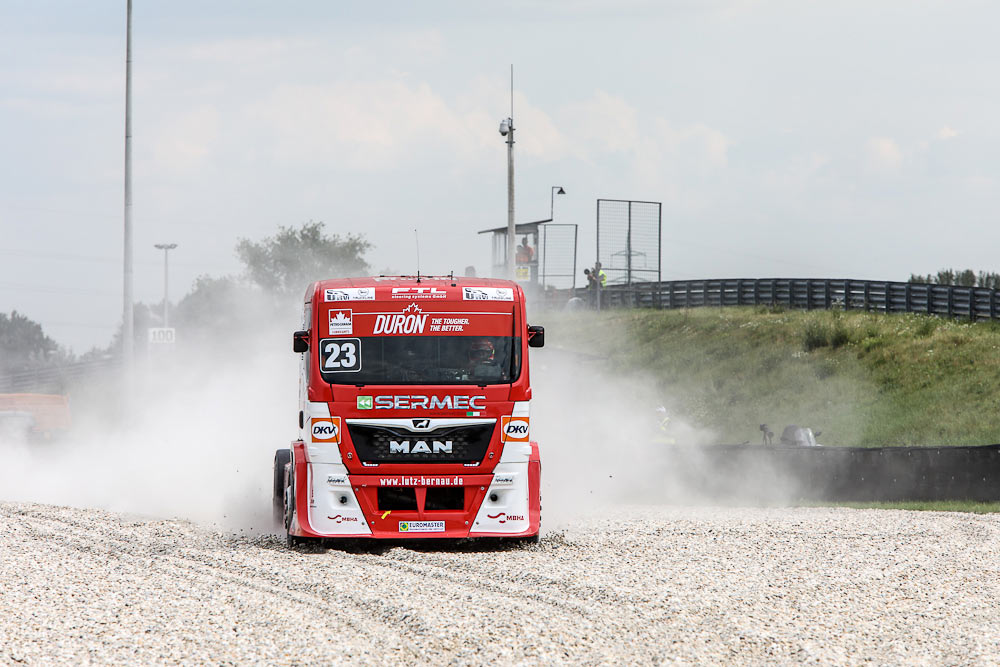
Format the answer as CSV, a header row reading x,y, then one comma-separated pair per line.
x,y
632,584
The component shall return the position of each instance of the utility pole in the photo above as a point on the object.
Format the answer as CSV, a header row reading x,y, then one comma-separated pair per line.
x,y
128,324
166,248
507,130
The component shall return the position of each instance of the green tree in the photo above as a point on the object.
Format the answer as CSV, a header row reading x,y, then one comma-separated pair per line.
x,y
965,278
283,265
23,344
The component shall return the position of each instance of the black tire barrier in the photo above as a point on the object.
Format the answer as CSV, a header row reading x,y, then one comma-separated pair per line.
x,y
840,474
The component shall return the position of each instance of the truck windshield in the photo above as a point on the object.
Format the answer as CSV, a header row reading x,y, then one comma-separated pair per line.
x,y
420,360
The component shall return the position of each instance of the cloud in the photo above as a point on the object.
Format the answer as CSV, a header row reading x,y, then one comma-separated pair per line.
x,y
356,125
946,133
884,154
187,141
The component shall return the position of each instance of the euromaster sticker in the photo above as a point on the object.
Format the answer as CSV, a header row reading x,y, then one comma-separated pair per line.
x,y
421,526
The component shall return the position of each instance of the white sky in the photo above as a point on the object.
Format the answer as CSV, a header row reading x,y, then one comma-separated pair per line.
x,y
785,139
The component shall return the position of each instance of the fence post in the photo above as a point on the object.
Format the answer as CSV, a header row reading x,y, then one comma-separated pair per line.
x,y
868,286
847,295
951,302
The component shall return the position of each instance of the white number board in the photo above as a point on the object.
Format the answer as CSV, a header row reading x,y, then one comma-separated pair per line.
x,y
158,335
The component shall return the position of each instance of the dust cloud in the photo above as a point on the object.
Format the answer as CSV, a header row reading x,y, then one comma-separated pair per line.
x,y
600,438
602,446
193,437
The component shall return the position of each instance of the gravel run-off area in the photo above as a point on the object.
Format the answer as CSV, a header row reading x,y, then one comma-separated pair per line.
x,y
630,585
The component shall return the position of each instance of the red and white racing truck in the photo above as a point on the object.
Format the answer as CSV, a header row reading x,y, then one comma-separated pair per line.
x,y
414,418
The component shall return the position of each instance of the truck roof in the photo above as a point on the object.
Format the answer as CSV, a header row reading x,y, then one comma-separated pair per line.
x,y
387,282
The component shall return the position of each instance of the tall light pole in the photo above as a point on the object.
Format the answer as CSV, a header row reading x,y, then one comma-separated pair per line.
x,y
128,344
165,247
552,202
507,130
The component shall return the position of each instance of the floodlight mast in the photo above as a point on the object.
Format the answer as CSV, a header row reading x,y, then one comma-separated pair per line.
x,y
128,325
507,130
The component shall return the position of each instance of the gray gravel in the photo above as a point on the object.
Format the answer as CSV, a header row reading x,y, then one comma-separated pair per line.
x,y
640,585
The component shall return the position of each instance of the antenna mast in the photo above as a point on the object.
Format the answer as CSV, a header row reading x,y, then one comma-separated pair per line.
x,y
416,240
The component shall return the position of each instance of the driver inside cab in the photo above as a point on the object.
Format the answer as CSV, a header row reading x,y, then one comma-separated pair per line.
x,y
482,358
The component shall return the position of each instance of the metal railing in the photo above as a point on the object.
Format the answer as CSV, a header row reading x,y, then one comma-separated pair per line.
x,y
974,303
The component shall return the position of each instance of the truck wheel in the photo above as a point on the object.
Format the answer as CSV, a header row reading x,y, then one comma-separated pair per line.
x,y
281,458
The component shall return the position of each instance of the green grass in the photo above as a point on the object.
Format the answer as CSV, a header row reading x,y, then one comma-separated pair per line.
x,y
863,379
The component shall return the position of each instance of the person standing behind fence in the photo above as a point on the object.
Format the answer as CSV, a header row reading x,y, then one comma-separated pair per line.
x,y
600,275
591,286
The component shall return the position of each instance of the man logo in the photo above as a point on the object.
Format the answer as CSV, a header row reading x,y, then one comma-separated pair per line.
x,y
326,430
421,423
420,447
514,429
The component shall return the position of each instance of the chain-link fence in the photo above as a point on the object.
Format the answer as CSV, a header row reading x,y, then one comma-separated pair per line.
x,y
629,238
558,255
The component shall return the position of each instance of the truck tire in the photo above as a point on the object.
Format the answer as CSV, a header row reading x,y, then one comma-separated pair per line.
x,y
281,458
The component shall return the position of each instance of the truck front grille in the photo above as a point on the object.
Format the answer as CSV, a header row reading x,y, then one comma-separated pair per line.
x,y
450,444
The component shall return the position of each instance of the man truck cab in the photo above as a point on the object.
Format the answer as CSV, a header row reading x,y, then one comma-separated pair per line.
x,y
414,412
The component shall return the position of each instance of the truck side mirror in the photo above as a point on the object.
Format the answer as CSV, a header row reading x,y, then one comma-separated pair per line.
x,y
536,336
300,341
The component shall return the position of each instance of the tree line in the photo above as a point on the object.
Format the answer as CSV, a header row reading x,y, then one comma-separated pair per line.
x,y
966,278
275,272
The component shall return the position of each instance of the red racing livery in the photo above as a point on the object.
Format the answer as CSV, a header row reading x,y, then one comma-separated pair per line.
x,y
414,412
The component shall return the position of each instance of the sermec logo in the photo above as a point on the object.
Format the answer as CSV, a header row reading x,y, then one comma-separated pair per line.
x,y
410,321
515,429
364,402
326,429
427,402
420,447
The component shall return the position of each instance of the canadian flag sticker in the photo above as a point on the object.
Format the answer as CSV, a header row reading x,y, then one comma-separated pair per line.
x,y
341,322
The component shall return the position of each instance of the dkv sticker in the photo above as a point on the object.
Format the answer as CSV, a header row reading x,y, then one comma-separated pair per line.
x,y
514,429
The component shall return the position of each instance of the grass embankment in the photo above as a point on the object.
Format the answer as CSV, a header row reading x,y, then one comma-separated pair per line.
x,y
863,379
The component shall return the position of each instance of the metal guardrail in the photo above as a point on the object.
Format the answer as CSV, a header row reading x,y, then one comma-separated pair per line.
x,y
54,379
975,303
839,474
